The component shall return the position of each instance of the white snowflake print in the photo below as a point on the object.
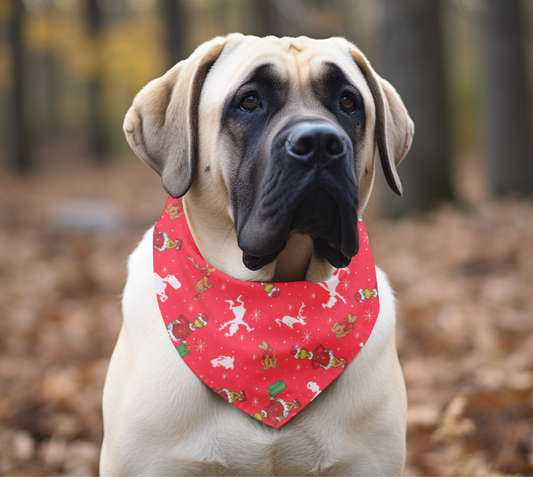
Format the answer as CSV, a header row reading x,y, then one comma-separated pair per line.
x,y
222,286
256,315
200,346
289,307
297,367
255,401
307,337
313,295
369,315
241,338
224,376
345,284
190,307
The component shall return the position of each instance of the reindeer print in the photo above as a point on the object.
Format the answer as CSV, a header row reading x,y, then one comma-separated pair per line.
x,y
290,321
268,358
239,312
174,211
203,284
342,328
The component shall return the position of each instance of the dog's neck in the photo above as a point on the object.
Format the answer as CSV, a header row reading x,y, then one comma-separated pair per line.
x,y
299,262
217,242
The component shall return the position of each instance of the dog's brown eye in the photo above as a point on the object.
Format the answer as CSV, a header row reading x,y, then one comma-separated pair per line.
x,y
347,103
250,103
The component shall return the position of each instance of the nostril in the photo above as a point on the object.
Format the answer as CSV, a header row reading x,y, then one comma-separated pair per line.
x,y
334,145
302,146
315,141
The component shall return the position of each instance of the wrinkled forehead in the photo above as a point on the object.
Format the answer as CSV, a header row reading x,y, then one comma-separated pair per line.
x,y
301,63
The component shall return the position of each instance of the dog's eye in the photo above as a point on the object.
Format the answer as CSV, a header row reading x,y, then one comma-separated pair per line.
x,y
347,103
250,102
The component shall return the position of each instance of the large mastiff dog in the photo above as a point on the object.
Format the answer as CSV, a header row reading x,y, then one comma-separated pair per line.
x,y
272,143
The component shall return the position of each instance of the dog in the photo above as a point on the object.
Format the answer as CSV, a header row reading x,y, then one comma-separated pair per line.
x,y
235,129
268,356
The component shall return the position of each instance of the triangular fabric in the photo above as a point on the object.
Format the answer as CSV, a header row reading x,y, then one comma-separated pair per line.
x,y
267,348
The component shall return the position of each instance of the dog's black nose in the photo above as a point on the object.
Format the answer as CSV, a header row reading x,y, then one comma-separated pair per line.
x,y
315,142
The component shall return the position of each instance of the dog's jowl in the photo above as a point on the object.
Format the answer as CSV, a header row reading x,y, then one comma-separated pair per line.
x,y
258,335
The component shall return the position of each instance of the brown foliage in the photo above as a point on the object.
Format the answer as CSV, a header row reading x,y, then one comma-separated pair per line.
x,y
465,335
464,282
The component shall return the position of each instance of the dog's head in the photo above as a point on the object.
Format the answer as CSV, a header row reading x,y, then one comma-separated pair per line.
x,y
275,137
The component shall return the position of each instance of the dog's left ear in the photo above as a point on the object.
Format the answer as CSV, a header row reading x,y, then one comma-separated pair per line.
x,y
394,127
162,124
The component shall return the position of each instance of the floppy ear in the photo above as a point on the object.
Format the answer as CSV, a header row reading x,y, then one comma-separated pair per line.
x,y
162,124
394,127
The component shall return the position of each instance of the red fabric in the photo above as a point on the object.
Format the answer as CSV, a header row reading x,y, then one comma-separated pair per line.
x,y
267,348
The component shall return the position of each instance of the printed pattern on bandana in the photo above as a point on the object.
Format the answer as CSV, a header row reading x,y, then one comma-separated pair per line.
x,y
267,348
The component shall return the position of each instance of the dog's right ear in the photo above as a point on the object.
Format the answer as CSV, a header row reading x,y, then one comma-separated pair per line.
x,y
162,124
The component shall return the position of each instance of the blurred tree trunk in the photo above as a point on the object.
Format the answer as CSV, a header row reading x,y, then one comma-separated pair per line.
x,y
174,19
413,62
52,93
20,135
98,129
507,121
267,17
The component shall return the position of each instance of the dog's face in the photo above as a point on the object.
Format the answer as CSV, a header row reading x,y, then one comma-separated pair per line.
x,y
276,137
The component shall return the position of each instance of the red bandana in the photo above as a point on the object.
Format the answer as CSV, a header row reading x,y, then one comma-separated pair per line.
x,y
267,348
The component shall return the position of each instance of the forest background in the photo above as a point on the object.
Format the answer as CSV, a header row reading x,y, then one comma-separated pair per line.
x,y
458,247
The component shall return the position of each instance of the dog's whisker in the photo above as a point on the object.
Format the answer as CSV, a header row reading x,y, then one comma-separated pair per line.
x,y
226,238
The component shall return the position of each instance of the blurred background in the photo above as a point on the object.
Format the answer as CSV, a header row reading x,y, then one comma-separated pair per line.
x,y
458,246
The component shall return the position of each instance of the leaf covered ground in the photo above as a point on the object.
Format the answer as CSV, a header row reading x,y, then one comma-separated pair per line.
x,y
463,277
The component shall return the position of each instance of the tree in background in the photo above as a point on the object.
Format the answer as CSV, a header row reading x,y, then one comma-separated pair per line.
x,y
174,19
71,72
413,62
98,130
19,123
267,17
506,119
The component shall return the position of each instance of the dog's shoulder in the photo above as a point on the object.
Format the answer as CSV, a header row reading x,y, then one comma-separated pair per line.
x,y
141,257
139,301
386,323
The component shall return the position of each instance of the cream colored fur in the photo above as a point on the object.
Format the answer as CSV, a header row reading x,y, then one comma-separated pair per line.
x,y
159,419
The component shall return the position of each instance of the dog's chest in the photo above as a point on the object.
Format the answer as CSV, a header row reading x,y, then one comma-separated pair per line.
x,y
180,423
232,444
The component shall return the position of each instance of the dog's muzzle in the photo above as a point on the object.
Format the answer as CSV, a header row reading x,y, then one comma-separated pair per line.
x,y
309,187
